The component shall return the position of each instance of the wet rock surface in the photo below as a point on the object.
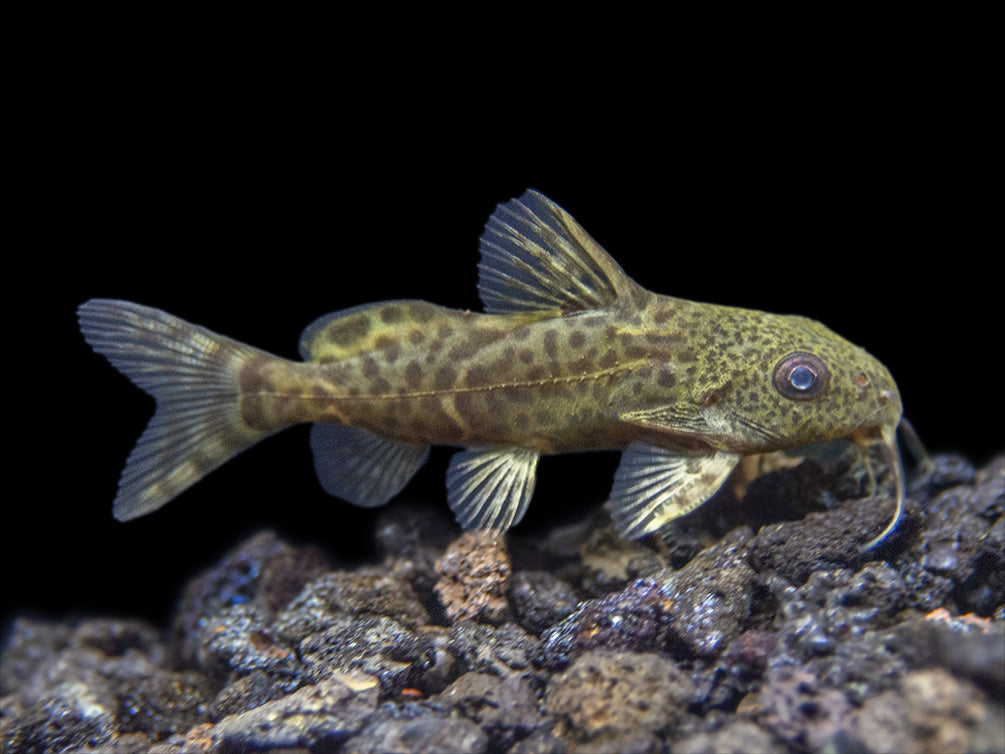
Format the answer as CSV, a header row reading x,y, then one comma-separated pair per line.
x,y
755,625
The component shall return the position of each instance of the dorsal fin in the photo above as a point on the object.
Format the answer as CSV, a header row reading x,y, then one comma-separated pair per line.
x,y
535,256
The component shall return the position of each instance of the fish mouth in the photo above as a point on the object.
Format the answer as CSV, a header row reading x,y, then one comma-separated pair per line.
x,y
884,435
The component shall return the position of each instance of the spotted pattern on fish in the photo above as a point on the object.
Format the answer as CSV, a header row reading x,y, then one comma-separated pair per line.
x,y
570,355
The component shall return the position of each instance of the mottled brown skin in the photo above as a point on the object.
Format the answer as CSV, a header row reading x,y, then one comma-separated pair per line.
x,y
557,383
570,355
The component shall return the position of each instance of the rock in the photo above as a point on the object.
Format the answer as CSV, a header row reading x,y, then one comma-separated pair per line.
x,y
540,600
337,595
263,571
500,651
739,737
693,612
474,577
825,541
322,715
691,640
931,712
419,735
380,647
623,691
507,709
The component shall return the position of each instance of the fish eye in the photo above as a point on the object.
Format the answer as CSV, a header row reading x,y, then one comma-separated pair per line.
x,y
801,376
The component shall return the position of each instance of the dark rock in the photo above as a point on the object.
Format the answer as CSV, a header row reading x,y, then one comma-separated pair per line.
x,y
380,647
540,600
417,729
263,571
319,716
790,640
834,605
507,709
621,691
337,595
498,651
236,641
693,612
796,708
73,716
244,693
825,541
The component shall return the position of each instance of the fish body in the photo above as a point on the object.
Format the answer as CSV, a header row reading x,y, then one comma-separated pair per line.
x,y
570,355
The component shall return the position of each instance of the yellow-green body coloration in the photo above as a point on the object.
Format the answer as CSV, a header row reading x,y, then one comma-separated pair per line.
x,y
570,355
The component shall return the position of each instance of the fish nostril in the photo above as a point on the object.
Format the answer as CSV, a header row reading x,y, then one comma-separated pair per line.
x,y
885,397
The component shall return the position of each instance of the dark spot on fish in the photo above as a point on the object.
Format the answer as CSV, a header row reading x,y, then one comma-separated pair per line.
x,y
477,375
445,377
577,339
464,405
252,378
389,346
526,356
536,372
474,342
608,359
253,412
349,330
551,344
370,368
421,311
391,314
413,374
634,350
416,337
662,315
666,378
335,373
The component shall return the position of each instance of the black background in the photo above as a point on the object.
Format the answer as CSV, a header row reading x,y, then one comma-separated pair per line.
x,y
252,193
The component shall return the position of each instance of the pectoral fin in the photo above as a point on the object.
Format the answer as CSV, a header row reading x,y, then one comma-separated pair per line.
x,y
680,418
653,486
361,466
489,488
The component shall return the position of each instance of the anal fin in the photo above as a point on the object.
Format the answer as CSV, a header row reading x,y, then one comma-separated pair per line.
x,y
653,486
489,488
361,466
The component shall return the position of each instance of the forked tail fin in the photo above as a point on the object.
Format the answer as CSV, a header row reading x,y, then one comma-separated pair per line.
x,y
194,375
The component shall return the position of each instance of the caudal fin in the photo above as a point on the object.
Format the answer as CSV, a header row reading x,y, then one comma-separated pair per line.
x,y
194,376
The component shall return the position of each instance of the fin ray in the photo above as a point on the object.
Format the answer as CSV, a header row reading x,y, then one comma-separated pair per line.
x,y
193,374
653,486
489,488
535,256
361,466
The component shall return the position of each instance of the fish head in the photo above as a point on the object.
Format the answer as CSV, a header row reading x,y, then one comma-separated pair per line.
x,y
810,385
791,381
